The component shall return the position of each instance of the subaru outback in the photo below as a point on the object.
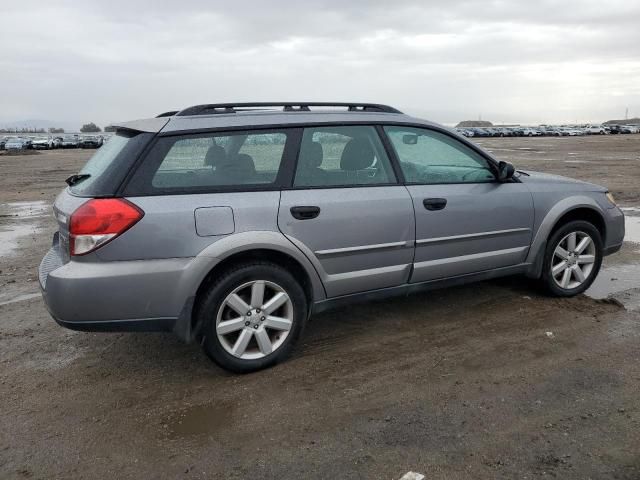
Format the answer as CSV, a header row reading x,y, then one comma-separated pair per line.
x,y
230,224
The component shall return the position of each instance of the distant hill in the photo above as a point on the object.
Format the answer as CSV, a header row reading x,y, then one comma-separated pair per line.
x,y
474,123
629,121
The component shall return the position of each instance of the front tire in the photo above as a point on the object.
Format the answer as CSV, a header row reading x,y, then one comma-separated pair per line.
x,y
572,259
252,316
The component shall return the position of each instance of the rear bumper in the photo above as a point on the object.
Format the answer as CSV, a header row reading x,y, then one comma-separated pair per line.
x,y
134,296
138,325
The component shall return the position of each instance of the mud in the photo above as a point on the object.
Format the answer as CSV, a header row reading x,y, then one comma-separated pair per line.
x,y
457,383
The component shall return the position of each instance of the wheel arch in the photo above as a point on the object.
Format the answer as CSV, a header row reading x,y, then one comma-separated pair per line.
x,y
567,210
588,214
255,246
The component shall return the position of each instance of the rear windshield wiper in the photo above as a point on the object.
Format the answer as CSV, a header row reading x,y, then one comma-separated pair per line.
x,y
75,179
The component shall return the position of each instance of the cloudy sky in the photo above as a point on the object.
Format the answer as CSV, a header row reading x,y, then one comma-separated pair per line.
x,y
508,61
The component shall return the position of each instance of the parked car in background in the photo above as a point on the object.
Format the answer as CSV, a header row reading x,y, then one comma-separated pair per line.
x,y
629,129
595,130
70,141
572,131
505,132
467,132
90,141
3,141
531,132
554,132
57,142
42,143
481,132
16,143
232,228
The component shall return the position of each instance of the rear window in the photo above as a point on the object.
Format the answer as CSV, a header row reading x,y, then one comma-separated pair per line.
x,y
209,162
110,164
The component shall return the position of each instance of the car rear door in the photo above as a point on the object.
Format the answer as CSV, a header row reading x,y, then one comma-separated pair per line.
x,y
347,212
466,221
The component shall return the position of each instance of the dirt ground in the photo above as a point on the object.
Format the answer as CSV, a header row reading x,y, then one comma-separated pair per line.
x,y
492,380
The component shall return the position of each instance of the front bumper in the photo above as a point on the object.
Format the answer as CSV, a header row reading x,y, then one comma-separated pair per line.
x,y
615,230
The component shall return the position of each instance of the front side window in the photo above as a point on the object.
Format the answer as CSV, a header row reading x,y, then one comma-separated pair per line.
x,y
342,156
430,157
218,160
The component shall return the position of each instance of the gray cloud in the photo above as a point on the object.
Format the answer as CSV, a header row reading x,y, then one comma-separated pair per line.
x,y
509,61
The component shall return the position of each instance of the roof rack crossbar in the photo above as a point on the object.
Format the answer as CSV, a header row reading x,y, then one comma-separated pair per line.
x,y
214,108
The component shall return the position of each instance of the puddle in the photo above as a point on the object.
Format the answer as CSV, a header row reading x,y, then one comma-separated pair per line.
x,y
62,356
630,210
199,420
17,221
10,235
20,298
575,161
615,279
22,210
632,229
621,281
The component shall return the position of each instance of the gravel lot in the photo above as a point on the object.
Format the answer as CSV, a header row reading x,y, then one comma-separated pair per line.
x,y
492,380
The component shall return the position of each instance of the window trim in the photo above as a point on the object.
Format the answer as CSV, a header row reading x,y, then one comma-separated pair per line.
x,y
490,161
146,161
375,128
290,157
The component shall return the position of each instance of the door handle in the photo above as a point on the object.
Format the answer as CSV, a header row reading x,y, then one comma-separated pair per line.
x,y
434,203
305,212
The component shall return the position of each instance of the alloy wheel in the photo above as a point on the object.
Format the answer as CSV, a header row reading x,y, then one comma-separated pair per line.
x,y
254,320
573,260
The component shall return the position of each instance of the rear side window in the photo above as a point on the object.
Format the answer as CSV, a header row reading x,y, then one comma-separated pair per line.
x,y
110,164
212,161
342,156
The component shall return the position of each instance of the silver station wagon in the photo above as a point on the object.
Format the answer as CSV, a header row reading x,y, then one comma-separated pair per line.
x,y
230,224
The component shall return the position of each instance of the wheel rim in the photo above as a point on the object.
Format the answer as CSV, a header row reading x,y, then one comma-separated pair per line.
x,y
254,320
573,260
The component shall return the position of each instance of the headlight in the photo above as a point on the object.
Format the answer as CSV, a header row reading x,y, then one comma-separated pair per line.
x,y
610,198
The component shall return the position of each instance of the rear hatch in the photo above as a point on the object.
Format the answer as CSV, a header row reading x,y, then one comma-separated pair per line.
x,y
101,177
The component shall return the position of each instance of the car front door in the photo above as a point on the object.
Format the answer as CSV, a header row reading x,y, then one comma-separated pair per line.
x,y
466,221
347,212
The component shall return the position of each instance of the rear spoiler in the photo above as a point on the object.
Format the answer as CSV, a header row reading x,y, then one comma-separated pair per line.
x,y
150,125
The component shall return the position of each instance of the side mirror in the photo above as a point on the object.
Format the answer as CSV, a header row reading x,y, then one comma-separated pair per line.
x,y
410,139
505,171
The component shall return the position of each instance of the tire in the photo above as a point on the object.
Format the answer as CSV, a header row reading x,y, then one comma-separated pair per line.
x,y
214,308
556,281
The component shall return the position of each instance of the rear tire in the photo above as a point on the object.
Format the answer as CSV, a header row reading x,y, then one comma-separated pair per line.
x,y
267,332
572,259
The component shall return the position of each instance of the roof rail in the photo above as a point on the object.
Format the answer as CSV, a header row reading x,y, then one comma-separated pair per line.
x,y
213,108
168,114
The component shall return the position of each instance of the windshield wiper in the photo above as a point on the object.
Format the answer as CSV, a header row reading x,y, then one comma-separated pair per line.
x,y
75,179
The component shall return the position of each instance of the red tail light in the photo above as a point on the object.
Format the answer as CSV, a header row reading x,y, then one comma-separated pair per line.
x,y
99,221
